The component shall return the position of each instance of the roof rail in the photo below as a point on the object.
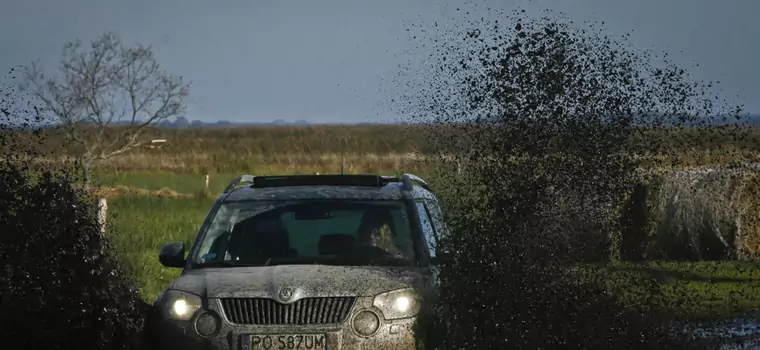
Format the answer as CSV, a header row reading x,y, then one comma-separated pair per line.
x,y
408,181
236,181
322,180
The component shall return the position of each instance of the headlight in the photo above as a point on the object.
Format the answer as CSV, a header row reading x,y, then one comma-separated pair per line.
x,y
180,306
397,304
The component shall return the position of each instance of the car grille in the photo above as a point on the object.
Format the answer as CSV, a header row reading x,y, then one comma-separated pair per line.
x,y
262,311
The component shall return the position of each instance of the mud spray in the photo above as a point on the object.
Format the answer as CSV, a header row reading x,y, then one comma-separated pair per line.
x,y
544,127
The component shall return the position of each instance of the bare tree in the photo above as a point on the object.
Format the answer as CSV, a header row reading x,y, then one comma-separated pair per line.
x,y
105,96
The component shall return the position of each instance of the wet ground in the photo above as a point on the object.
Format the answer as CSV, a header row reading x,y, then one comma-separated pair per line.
x,y
735,333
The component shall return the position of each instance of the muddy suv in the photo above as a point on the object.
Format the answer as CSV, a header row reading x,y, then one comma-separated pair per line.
x,y
304,262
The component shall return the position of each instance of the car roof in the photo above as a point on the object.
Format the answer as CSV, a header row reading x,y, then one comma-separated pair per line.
x,y
390,190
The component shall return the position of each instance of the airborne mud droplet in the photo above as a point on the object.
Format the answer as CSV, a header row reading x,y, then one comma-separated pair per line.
x,y
546,131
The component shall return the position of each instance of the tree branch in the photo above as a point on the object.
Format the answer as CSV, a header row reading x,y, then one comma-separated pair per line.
x,y
99,88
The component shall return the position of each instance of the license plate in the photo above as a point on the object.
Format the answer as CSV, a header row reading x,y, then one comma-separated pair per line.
x,y
283,342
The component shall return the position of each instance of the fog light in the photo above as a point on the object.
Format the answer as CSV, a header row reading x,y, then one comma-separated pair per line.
x,y
207,324
366,323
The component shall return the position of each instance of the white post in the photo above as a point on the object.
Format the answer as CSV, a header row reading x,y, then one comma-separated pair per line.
x,y
205,182
102,214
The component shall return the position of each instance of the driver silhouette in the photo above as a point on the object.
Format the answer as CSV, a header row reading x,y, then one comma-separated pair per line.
x,y
376,230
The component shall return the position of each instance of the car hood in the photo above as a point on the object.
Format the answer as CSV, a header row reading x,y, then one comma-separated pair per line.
x,y
303,280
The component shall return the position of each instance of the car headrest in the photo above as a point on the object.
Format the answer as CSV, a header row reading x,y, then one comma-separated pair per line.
x,y
270,225
336,244
262,237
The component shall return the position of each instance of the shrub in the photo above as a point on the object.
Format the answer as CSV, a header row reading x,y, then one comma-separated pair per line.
x,y
61,286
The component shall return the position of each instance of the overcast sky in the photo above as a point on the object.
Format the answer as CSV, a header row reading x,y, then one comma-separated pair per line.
x,y
325,61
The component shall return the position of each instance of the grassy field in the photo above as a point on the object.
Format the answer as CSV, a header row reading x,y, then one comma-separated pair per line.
x,y
140,225
170,207
373,148
694,290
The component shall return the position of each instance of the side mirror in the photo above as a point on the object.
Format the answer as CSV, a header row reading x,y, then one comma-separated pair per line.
x,y
172,254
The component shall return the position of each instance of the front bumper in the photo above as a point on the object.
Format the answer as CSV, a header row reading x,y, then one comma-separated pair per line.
x,y
391,334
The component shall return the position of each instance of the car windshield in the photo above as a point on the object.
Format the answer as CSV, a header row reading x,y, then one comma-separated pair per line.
x,y
338,232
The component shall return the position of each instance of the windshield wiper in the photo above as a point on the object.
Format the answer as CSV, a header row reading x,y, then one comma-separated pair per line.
x,y
288,261
221,263
389,260
263,262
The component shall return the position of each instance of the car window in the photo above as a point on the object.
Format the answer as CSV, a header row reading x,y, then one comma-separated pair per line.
x,y
224,220
436,215
306,234
305,230
427,227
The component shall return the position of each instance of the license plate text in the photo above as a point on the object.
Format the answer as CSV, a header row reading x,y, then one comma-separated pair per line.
x,y
284,342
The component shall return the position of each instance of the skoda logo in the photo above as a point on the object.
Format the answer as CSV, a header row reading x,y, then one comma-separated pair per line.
x,y
286,294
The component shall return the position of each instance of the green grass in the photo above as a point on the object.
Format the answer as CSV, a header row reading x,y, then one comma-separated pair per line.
x,y
695,290
154,180
187,183
139,226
